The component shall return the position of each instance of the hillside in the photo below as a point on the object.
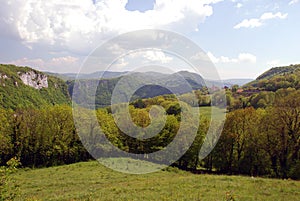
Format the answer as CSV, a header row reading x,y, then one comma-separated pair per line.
x,y
277,71
26,87
277,78
92,181
163,84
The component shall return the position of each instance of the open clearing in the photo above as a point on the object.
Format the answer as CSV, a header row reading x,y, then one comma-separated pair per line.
x,y
92,181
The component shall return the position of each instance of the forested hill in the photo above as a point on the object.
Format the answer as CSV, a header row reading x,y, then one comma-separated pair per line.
x,y
173,83
277,71
22,87
278,78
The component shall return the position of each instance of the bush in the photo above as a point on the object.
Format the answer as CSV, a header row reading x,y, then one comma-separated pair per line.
x,y
294,172
8,188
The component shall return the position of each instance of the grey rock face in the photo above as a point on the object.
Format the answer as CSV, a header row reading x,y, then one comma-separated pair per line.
x,y
4,77
35,80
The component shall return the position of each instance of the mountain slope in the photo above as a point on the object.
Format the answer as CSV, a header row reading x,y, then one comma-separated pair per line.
x,y
277,78
278,71
26,87
158,84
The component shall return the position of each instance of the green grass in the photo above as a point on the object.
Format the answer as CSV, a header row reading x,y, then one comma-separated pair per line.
x,y
92,181
219,114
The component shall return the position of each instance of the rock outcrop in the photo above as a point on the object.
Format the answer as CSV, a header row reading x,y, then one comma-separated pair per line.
x,y
3,76
33,79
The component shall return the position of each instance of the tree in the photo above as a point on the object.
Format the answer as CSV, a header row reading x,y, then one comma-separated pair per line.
x,y
6,145
285,125
236,150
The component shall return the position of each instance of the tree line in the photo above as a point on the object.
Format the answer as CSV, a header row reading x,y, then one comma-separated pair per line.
x,y
40,137
255,141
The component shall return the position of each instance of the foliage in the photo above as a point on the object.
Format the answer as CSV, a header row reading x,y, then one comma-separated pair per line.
x,y
259,142
261,135
15,94
277,78
104,88
8,186
278,71
41,137
262,141
282,126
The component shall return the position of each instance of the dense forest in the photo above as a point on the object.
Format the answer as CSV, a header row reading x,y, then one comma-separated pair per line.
x,y
261,134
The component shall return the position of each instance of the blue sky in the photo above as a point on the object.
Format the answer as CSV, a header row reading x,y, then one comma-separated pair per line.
x,y
243,38
139,5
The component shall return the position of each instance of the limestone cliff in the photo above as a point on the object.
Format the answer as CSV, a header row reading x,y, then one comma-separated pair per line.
x,y
33,79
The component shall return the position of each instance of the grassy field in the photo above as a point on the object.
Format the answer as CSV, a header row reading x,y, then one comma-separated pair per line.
x,y
219,114
92,181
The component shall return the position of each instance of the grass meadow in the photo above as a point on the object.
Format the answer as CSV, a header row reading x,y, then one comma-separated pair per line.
x,y
92,181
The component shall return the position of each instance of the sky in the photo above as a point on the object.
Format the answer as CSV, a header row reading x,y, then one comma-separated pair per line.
x,y
242,38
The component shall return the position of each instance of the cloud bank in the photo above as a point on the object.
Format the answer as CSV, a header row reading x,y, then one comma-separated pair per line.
x,y
242,58
257,22
80,25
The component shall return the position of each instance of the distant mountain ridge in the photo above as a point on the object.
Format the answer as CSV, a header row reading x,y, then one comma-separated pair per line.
x,y
26,87
113,74
149,84
230,82
240,82
95,75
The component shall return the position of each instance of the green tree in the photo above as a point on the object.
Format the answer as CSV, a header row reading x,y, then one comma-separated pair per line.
x,y
6,144
284,123
236,150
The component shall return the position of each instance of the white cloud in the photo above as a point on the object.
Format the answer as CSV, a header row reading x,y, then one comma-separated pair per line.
x,y
212,57
293,2
273,63
251,23
34,63
63,63
239,5
80,25
148,56
246,57
132,60
203,56
257,22
269,16
157,56
121,63
242,58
